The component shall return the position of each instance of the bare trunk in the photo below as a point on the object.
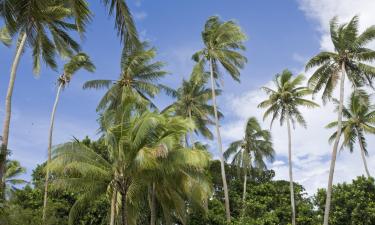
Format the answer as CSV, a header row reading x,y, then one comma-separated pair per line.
x,y
335,146
244,187
223,176
123,209
113,208
8,111
153,205
49,152
364,157
291,186
192,132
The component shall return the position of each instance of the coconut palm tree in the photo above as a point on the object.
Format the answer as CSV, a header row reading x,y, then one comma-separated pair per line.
x,y
139,75
283,103
223,42
77,62
359,119
251,151
13,171
141,146
347,60
192,102
42,25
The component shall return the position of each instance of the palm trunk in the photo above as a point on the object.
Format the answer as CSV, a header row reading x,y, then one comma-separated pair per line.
x,y
364,157
123,209
244,187
49,151
335,146
8,111
113,208
223,176
192,132
291,186
153,205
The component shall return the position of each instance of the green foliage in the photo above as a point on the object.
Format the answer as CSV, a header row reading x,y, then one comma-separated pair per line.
x,y
352,203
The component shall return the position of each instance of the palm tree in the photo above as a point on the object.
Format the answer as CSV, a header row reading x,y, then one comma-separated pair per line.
x,y
192,102
13,171
33,21
77,62
141,146
348,59
283,103
250,151
222,42
138,75
359,119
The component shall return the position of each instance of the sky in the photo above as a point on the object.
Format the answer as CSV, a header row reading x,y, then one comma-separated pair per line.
x,y
281,34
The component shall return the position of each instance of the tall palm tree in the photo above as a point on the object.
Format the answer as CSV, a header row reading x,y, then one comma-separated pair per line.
x,y
223,42
77,62
347,60
192,102
251,150
13,171
141,146
139,75
283,103
41,25
359,119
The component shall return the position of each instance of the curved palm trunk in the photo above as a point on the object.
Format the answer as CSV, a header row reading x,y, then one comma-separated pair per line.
x,y
153,205
113,208
291,186
8,110
49,151
223,176
364,157
335,147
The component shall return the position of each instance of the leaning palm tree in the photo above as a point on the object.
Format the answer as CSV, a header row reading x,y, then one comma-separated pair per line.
x,y
42,25
359,119
251,151
139,75
142,146
348,60
222,43
77,62
192,102
283,103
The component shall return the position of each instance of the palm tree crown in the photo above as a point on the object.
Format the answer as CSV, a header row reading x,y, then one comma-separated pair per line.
x,y
45,25
350,53
286,99
138,75
222,41
359,118
253,148
192,102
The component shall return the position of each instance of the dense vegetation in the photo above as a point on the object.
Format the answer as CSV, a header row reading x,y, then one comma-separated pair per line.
x,y
151,165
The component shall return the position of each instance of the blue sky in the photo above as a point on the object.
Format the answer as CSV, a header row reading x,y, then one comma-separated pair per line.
x,y
282,34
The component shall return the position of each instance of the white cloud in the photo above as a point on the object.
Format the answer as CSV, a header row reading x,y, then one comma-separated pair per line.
x,y
311,151
310,147
322,11
140,15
